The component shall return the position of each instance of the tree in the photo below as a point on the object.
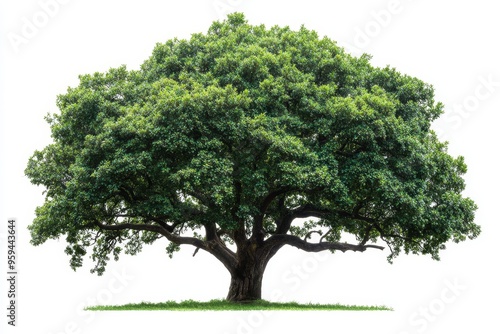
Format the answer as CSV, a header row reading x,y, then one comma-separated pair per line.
x,y
224,140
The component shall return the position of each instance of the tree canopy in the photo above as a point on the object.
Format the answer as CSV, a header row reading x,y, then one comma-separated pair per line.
x,y
222,141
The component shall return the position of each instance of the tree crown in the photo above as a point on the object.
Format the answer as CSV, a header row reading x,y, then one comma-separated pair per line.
x,y
238,132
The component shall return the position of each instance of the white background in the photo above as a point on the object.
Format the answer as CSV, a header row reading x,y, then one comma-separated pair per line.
x,y
450,44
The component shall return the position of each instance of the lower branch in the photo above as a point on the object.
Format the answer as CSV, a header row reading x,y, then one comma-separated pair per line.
x,y
295,241
221,252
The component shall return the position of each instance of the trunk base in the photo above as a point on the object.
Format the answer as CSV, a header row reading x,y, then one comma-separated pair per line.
x,y
245,289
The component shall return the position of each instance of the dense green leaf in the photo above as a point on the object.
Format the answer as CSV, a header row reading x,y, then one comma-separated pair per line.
x,y
247,124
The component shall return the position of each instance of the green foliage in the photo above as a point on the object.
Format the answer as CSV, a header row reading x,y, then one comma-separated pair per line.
x,y
209,127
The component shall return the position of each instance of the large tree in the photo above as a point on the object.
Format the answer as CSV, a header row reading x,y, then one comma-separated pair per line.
x,y
224,140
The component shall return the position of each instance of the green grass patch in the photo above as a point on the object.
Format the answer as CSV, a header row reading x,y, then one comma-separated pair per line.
x,y
223,305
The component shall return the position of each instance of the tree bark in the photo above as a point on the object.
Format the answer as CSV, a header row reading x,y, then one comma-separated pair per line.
x,y
246,279
245,288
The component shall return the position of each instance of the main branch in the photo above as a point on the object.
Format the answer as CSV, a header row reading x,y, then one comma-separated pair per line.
x,y
286,239
222,253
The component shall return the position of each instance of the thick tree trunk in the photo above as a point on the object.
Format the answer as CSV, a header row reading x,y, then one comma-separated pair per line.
x,y
244,289
246,281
